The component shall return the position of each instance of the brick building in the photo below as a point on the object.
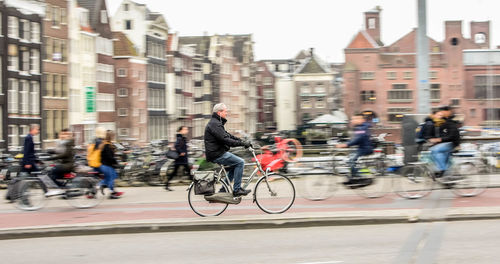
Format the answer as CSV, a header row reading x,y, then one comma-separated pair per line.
x,y
130,98
383,78
265,81
20,70
55,74
99,22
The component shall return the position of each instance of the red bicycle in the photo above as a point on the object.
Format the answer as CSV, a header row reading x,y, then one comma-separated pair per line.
x,y
276,157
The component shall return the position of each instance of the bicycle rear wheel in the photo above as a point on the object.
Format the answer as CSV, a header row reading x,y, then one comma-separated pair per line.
x,y
32,195
84,193
317,187
414,182
274,194
205,208
380,182
474,180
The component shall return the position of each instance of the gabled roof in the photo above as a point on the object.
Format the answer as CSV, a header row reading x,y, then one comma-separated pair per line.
x,y
94,6
302,55
123,46
363,41
202,43
312,64
407,44
238,45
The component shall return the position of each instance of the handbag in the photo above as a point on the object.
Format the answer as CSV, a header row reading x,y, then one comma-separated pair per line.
x,y
204,182
172,154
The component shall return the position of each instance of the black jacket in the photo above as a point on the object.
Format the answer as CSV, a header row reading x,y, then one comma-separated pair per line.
x,y
66,154
217,140
362,139
181,147
429,129
29,157
449,131
107,153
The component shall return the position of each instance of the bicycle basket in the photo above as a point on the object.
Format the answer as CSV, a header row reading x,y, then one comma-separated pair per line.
x,y
204,182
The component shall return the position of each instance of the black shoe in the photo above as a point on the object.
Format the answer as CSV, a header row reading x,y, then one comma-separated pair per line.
x,y
351,181
241,192
438,174
168,189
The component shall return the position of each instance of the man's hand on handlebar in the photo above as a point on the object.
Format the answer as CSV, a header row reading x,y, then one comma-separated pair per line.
x,y
341,146
247,144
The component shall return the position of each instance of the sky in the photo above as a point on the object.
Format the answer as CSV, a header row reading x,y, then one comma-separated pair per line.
x,y
281,28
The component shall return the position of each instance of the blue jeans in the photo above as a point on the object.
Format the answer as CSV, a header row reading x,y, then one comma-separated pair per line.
x,y
236,168
441,154
109,176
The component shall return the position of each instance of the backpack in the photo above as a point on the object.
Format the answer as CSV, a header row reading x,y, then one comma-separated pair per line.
x,y
94,155
419,133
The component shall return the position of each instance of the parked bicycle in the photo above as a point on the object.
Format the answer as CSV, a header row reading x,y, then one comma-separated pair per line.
x,y
469,176
273,193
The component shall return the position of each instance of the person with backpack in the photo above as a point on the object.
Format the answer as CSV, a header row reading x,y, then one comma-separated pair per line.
x,y
101,156
181,148
427,130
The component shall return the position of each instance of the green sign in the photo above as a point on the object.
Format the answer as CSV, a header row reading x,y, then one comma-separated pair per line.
x,y
90,99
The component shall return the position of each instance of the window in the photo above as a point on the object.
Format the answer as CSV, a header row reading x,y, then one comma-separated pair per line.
x,y
56,16
368,97
320,89
268,108
142,94
391,75
122,92
367,75
435,92
48,48
104,17
24,97
407,75
122,111
125,7
455,102
122,72
64,17
35,32
492,114
105,102
142,116
56,79
305,90
25,66
128,24
35,98
104,46
35,61
396,114
84,18
306,103
13,140
487,86
473,112
320,102
13,27
433,75
105,73
399,93
64,86
371,23
480,38
268,81
268,94
123,132
12,95
24,25
13,59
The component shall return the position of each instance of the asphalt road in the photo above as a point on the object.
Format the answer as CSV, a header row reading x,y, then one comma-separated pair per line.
x,y
438,242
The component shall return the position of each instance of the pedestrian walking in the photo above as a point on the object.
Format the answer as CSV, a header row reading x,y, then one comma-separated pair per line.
x,y
182,161
29,158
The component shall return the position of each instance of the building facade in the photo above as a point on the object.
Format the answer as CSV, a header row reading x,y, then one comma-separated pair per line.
x,y
21,70
56,73
130,98
383,78
148,31
266,89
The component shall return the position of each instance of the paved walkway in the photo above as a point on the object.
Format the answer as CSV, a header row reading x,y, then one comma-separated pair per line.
x,y
153,209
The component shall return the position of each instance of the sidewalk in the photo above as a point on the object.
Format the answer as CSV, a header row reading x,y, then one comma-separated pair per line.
x,y
152,209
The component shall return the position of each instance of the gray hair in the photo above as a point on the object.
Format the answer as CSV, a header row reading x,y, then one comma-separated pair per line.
x,y
219,107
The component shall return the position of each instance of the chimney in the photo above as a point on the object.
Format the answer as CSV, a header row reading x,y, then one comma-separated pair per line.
x,y
480,34
372,23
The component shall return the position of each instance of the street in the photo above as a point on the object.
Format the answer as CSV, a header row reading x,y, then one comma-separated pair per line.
x,y
438,242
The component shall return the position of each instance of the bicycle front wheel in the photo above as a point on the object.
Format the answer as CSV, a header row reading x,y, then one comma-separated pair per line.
x,y
205,208
32,195
274,194
317,187
473,180
414,182
84,193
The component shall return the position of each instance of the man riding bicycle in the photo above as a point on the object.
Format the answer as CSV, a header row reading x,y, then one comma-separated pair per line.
x,y
217,144
361,139
449,138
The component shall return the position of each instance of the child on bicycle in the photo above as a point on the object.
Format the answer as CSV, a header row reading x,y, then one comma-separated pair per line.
x,y
361,139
